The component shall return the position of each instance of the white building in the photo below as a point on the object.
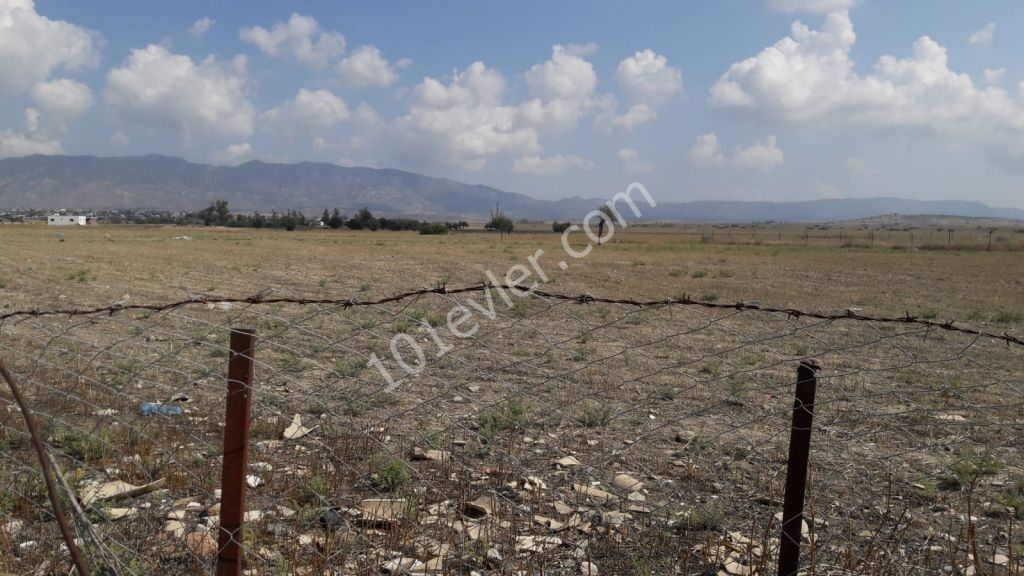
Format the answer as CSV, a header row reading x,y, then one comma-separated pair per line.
x,y
70,220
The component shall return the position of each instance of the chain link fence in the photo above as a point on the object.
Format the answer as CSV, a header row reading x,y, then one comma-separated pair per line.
x,y
483,431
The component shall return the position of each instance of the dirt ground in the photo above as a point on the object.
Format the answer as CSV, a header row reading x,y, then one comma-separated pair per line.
x,y
558,438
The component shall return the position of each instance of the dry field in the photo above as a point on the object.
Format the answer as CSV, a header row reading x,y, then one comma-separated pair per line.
x,y
560,438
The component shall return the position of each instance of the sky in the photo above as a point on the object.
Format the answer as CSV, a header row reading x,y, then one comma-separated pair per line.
x,y
705,99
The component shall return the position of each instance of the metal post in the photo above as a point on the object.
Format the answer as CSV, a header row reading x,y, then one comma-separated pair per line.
x,y
236,452
796,472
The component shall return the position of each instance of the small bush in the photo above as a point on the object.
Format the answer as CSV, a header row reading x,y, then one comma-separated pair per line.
x,y
967,470
348,368
81,276
560,227
699,274
433,228
595,415
391,473
705,517
508,415
1013,496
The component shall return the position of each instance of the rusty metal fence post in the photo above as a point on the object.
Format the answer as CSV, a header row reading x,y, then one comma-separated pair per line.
x,y
796,472
236,452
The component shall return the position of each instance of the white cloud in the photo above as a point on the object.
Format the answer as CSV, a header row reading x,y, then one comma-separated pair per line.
x,y
809,77
300,38
993,77
464,122
550,165
649,82
984,36
813,6
206,99
648,79
309,111
858,165
761,155
32,46
564,76
199,29
366,68
585,49
236,153
706,150
35,139
14,144
66,99
633,162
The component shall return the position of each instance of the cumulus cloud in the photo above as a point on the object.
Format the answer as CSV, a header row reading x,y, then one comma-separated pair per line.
x,y
565,76
236,153
993,77
550,165
585,49
633,162
984,36
813,6
34,139
464,122
32,46
366,68
706,150
648,79
300,38
309,112
809,77
66,99
155,87
761,155
199,29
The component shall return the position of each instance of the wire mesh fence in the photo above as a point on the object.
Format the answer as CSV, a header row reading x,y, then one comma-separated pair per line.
x,y
486,431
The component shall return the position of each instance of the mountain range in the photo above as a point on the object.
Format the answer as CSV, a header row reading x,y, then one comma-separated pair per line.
x,y
167,183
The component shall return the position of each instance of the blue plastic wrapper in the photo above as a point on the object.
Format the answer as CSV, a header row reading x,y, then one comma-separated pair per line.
x,y
149,408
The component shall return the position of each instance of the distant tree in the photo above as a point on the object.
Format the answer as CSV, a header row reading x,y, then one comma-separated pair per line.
x,y
363,220
560,226
289,222
325,218
336,220
500,222
223,214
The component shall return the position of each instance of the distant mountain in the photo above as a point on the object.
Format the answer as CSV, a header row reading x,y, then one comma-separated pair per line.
x,y
167,183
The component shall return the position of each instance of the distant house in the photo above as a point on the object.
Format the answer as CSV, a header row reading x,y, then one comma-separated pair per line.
x,y
70,220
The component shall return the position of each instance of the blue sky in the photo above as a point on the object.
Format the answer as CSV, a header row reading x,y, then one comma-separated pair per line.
x,y
730,99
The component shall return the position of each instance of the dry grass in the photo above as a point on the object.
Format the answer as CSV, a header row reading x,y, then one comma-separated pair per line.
x,y
914,430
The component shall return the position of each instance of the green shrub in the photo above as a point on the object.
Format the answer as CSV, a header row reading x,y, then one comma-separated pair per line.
x,y
508,415
560,227
433,228
391,473
349,368
595,415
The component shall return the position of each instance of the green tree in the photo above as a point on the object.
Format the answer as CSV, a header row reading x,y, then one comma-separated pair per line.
x,y
500,222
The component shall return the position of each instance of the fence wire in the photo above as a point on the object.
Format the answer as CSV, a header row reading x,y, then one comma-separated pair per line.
x,y
481,431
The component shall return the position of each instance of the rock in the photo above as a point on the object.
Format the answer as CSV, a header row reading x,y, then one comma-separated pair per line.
x,y
588,569
999,560
567,461
295,430
594,493
212,510
201,544
562,507
176,515
493,555
13,527
253,481
549,523
531,543
432,455
615,519
383,510
403,566
627,482
482,506
253,515
278,529
636,497
116,490
175,528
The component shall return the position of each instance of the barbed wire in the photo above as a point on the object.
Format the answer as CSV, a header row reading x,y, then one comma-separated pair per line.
x,y
845,314
626,436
